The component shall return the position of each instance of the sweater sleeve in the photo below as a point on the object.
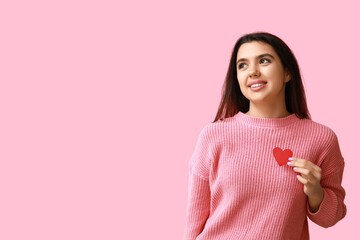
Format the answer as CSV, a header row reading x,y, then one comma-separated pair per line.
x,y
332,208
198,205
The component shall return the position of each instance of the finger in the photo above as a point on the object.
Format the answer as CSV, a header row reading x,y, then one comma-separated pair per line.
x,y
301,162
318,168
305,173
311,177
310,170
296,162
317,173
298,159
311,174
301,179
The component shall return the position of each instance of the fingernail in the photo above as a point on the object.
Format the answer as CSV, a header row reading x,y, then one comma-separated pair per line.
x,y
294,168
288,163
290,158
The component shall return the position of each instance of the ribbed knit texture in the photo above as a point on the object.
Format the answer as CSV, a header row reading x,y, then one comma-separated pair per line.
x,y
237,190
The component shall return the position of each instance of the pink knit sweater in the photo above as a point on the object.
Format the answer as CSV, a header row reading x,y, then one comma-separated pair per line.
x,y
237,190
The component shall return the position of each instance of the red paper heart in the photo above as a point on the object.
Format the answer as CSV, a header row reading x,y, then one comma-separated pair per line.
x,y
282,157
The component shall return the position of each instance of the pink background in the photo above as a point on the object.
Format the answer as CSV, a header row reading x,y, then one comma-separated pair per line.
x,y
102,103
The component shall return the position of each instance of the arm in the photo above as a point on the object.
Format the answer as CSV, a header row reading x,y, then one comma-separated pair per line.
x,y
198,206
331,208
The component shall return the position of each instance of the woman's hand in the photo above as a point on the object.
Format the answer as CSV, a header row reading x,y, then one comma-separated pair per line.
x,y
310,176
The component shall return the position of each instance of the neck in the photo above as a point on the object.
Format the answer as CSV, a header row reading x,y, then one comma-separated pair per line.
x,y
268,110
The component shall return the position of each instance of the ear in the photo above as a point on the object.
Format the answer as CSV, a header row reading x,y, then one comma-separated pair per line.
x,y
287,76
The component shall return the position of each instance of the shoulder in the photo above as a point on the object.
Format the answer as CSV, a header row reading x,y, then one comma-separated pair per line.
x,y
323,142
219,128
214,135
318,129
209,133
321,136
331,158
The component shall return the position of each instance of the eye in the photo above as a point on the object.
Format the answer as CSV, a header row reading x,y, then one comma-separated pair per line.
x,y
265,60
241,65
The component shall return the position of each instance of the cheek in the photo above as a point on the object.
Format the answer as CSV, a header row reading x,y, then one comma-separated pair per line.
x,y
241,77
242,81
244,89
274,73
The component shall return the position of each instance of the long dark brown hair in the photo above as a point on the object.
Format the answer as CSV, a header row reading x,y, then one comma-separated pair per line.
x,y
233,101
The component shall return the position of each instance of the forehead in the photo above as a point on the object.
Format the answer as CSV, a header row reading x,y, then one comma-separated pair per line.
x,y
252,49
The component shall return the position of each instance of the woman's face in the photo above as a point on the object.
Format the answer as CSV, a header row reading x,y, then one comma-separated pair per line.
x,y
258,62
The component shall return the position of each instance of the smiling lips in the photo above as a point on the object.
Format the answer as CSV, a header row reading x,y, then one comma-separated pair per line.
x,y
257,85
256,82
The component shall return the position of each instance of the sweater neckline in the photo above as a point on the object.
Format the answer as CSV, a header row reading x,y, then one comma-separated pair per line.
x,y
266,122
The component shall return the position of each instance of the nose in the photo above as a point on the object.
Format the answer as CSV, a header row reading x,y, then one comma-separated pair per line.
x,y
254,72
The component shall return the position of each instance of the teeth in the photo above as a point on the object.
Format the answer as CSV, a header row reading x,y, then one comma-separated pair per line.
x,y
257,85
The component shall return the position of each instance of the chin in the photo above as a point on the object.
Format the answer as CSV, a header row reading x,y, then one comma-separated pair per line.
x,y
258,99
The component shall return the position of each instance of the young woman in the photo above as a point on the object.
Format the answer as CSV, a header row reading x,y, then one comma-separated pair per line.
x,y
263,166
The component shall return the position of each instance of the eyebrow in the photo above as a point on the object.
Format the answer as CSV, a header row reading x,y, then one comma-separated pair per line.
x,y
260,56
